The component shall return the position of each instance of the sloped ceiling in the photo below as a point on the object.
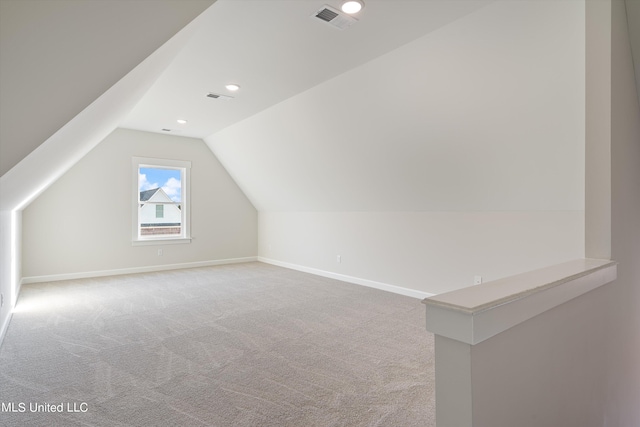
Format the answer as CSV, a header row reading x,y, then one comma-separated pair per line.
x,y
483,114
420,101
58,56
276,49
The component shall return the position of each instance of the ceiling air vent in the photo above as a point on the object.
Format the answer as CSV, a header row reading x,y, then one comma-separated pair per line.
x,y
327,15
218,96
334,17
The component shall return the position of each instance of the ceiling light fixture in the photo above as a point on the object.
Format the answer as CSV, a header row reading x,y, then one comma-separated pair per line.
x,y
181,121
232,87
352,6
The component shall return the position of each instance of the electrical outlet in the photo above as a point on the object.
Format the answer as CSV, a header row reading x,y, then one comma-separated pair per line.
x,y
339,259
477,280
159,252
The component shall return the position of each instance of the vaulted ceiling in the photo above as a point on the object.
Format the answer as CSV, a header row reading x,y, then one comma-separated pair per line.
x,y
425,81
57,57
275,50
485,113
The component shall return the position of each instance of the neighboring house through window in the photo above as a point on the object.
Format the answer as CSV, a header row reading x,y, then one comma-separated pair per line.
x,y
161,208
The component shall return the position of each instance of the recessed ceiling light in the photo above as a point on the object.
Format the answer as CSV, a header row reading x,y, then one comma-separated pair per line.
x,y
181,121
232,87
352,6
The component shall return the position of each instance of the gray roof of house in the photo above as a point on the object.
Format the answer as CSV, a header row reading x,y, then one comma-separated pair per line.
x,y
146,195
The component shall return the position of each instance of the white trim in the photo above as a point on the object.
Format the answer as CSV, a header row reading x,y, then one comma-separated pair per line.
x,y
185,178
161,241
5,327
153,162
474,314
134,270
350,279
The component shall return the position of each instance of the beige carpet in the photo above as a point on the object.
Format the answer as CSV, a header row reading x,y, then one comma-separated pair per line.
x,y
236,345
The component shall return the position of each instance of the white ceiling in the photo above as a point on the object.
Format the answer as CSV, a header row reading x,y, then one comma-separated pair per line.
x,y
62,54
274,49
59,56
434,125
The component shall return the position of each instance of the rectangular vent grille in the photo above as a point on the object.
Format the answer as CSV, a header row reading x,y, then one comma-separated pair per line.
x,y
218,96
326,14
334,17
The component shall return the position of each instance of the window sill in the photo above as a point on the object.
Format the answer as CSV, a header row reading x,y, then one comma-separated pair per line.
x,y
161,241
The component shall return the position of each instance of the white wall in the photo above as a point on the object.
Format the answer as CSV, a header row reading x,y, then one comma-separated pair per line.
x,y
432,252
548,371
577,364
484,116
623,369
72,228
598,130
8,284
53,157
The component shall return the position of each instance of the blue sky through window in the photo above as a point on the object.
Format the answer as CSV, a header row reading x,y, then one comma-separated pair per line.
x,y
168,179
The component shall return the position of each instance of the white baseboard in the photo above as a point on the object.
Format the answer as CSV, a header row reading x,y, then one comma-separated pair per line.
x,y
149,269
133,270
350,279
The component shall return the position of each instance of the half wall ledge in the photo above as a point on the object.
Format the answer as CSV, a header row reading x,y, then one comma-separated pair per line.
x,y
474,314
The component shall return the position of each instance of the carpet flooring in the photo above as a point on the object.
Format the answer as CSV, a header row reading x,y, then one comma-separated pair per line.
x,y
235,345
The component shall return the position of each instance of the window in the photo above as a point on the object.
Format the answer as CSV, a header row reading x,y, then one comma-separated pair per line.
x,y
161,201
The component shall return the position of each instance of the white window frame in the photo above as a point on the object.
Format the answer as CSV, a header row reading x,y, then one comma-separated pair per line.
x,y
185,180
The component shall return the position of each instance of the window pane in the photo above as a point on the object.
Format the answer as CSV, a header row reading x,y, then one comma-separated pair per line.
x,y
160,199
167,179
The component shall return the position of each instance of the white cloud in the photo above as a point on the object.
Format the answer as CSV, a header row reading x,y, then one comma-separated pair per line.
x,y
144,184
173,188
